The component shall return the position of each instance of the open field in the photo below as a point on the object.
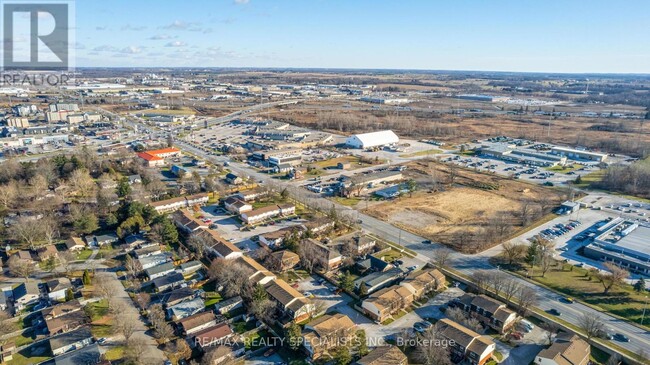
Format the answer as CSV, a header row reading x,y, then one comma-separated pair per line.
x,y
579,283
180,111
467,205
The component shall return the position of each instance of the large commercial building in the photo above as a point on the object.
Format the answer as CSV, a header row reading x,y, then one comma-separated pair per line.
x,y
374,139
579,155
625,243
521,155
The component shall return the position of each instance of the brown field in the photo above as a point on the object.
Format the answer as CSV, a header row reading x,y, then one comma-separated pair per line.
x,y
463,207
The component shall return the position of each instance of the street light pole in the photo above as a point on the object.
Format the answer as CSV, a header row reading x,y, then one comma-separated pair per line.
x,y
645,305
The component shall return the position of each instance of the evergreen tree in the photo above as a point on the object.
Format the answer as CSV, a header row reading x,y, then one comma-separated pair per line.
x,y
363,289
123,187
346,281
342,356
293,336
362,349
69,295
533,252
86,278
639,286
578,180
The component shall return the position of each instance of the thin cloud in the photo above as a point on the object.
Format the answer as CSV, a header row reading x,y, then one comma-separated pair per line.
x,y
105,48
131,50
242,2
160,37
176,44
130,27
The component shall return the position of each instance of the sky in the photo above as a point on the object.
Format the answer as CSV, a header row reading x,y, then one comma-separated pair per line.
x,y
573,36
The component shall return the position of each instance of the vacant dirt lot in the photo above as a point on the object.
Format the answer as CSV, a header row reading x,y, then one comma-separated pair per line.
x,y
472,213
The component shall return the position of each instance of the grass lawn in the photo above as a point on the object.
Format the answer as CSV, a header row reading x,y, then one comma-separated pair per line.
x,y
115,353
84,254
622,301
30,356
101,330
97,310
23,339
241,326
257,340
564,169
390,256
347,201
332,162
434,151
590,178
212,299
598,356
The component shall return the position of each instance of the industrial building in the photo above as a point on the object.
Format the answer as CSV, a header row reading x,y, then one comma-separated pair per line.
x,y
524,156
374,139
579,155
624,243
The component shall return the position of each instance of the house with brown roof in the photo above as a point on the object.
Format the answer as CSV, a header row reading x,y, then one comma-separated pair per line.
x,y
23,255
384,355
271,211
212,336
327,332
185,220
381,304
219,246
258,273
491,312
424,281
362,244
285,260
75,243
275,239
567,349
170,205
196,322
66,322
290,301
319,225
61,309
251,194
476,349
236,205
328,258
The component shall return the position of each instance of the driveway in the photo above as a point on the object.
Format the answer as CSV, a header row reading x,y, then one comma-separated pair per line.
x,y
151,354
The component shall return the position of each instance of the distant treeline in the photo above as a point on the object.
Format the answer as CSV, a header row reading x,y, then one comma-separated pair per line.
x,y
633,179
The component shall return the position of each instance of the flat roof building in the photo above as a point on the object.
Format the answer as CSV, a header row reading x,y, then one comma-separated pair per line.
x,y
579,155
624,243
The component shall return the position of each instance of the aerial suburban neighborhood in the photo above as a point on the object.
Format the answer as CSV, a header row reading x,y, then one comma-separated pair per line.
x,y
160,208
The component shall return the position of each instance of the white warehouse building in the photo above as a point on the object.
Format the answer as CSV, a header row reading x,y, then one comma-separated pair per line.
x,y
373,139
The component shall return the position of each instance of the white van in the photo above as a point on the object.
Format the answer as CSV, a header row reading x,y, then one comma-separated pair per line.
x,y
527,324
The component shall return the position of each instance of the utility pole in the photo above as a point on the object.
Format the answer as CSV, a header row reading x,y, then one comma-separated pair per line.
x,y
645,304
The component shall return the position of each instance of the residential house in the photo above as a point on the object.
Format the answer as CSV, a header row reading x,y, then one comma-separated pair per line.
x,y
422,282
175,296
190,267
384,355
319,225
169,281
72,340
86,355
236,205
57,288
262,214
466,344
47,252
229,304
379,280
285,260
488,311
160,270
327,332
212,336
150,261
4,300
103,239
373,264
196,323
134,179
25,294
328,258
219,246
147,251
275,239
170,205
61,309
233,179
7,351
66,322
251,194
75,243
197,199
290,301
23,255
380,305
186,308
157,157
258,273
133,241
185,221
360,245
567,349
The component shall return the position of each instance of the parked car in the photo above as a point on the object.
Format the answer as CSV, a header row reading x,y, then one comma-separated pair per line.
x,y
554,312
621,337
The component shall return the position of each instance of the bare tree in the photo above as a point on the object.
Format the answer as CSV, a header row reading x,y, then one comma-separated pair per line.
x,y
309,257
143,300
433,349
551,329
132,266
7,326
50,228
456,314
591,323
510,289
27,230
134,350
526,298
220,355
66,259
513,252
198,244
103,286
481,279
232,275
81,182
126,324
546,261
162,330
614,277
497,280
441,257
21,268
9,194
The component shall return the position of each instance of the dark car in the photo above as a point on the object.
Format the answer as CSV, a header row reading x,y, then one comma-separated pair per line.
x,y
428,242
554,312
621,337
421,326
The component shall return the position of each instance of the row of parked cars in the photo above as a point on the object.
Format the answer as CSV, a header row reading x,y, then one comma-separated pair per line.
x,y
557,230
